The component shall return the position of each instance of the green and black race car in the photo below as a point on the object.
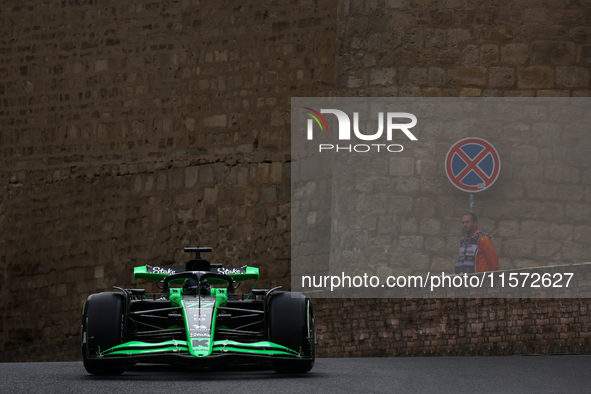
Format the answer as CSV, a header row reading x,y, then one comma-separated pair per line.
x,y
197,320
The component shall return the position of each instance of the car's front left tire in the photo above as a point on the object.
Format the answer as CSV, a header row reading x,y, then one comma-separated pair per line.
x,y
291,324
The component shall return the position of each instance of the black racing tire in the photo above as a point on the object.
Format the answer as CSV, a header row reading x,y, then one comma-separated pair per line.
x,y
103,326
291,324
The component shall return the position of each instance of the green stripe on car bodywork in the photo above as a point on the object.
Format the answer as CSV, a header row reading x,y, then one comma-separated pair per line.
x,y
138,347
254,351
256,347
182,347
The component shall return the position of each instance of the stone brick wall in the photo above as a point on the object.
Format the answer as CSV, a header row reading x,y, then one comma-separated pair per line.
x,y
451,48
61,350
452,327
441,48
130,130
404,205
446,48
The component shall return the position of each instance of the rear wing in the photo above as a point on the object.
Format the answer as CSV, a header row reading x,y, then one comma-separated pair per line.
x,y
157,273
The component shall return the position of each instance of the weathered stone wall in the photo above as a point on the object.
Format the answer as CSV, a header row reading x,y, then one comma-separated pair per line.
x,y
451,48
130,130
538,210
452,327
463,48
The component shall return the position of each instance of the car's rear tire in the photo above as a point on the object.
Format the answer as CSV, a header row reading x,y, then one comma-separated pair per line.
x,y
103,326
291,324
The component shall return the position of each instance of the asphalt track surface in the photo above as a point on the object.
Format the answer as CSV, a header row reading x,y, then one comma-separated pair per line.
x,y
516,374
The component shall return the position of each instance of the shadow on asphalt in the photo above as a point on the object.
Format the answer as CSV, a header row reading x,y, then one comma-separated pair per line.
x,y
159,372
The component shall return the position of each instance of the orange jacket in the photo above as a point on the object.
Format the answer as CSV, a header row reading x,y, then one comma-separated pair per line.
x,y
486,258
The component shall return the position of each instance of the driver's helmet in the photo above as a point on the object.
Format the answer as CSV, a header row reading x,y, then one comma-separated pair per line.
x,y
205,288
190,287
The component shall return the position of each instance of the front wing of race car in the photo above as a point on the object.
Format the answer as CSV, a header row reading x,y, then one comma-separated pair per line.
x,y
180,350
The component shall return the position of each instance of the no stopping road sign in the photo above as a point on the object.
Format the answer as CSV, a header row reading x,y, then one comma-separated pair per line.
x,y
472,164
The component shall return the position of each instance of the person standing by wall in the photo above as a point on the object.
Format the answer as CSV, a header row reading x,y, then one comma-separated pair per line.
x,y
477,252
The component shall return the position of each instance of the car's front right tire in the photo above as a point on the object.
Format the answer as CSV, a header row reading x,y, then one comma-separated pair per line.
x,y
103,326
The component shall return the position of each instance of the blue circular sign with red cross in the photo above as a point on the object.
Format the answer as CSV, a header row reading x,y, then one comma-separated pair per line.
x,y
472,164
